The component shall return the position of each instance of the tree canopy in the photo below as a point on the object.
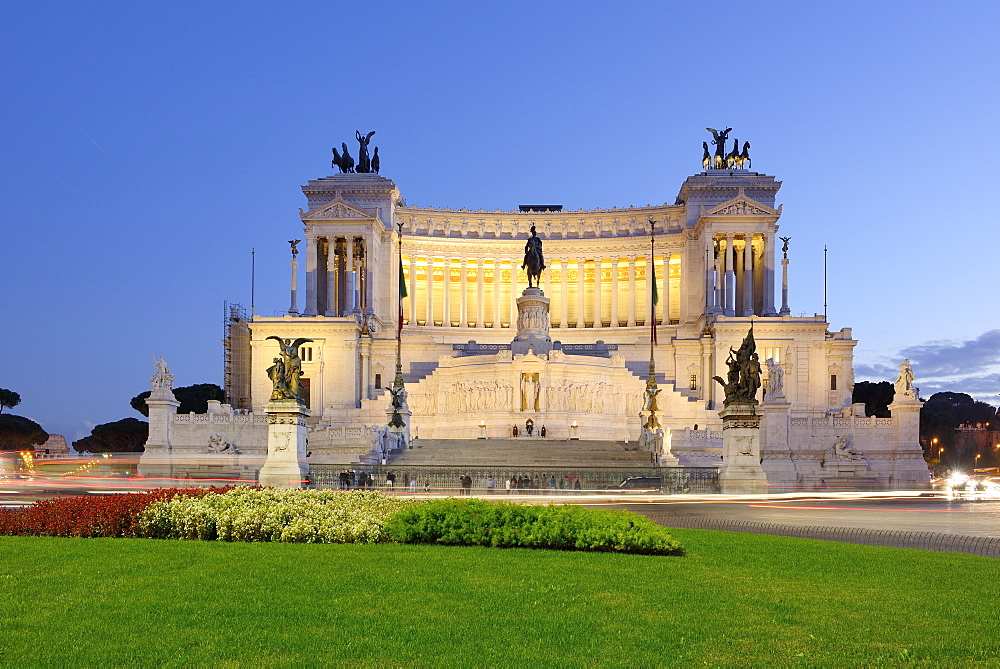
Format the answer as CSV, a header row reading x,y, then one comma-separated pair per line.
x,y
18,433
127,435
192,398
9,399
876,396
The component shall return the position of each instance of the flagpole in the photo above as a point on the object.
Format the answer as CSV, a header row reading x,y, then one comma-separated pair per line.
x,y
397,384
652,391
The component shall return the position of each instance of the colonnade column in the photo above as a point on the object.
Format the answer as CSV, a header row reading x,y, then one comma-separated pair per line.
x,y
331,278
769,275
564,293
581,321
730,309
548,282
711,301
513,293
665,292
720,282
631,292
463,308
350,278
614,292
479,293
413,290
446,295
311,276
496,292
429,313
597,292
748,274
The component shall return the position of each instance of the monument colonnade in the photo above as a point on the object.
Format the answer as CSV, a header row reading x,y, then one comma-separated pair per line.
x,y
588,288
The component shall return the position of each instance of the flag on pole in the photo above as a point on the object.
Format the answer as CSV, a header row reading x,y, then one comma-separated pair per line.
x,y
402,294
656,298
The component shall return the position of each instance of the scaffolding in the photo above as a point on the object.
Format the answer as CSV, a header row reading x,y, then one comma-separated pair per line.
x,y
236,353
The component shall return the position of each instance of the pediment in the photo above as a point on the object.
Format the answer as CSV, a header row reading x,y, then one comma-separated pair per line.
x,y
741,205
336,209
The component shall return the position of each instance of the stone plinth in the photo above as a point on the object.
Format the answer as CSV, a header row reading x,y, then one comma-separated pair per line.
x,y
532,323
741,471
286,465
775,450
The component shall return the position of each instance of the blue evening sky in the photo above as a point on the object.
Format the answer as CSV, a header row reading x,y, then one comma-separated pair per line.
x,y
147,147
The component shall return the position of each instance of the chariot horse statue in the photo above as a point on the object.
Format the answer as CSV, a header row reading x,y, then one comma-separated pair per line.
x,y
534,262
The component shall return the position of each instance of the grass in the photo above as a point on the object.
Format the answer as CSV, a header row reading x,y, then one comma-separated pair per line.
x,y
734,600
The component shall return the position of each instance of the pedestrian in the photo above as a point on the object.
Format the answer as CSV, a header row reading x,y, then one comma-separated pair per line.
x,y
511,482
413,482
542,433
427,486
390,480
576,484
515,430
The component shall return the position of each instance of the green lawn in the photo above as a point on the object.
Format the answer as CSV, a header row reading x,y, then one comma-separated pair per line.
x,y
734,600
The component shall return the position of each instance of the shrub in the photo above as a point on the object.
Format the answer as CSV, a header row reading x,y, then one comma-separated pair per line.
x,y
246,514
93,516
481,523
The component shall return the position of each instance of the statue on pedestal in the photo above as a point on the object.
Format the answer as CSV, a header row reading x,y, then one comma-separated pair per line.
x,y
904,382
162,378
775,379
533,259
743,378
364,162
286,372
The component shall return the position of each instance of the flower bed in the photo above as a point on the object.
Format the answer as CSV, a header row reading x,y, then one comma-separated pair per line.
x,y
326,516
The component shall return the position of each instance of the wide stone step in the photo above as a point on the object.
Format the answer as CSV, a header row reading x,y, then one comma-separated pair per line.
x,y
522,451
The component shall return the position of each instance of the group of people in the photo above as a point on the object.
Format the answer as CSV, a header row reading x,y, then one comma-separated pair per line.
x,y
532,485
529,429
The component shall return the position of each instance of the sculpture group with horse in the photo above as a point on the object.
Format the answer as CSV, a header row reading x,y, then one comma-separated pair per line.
x,y
734,160
534,261
345,163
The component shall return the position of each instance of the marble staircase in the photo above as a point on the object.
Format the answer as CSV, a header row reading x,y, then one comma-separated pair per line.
x,y
521,451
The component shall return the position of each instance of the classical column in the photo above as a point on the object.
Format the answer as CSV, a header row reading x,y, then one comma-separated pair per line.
x,y
446,294
429,315
350,279
730,308
720,280
564,293
748,274
293,310
631,292
331,278
710,306
784,287
680,287
413,290
463,303
367,268
769,275
480,312
597,293
548,283
665,292
614,292
311,261
496,292
581,293
513,293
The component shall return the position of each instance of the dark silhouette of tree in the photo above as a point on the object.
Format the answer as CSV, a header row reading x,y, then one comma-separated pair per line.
x,y
192,398
9,399
876,396
18,433
127,435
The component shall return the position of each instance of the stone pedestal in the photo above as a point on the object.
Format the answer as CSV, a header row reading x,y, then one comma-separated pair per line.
x,y
909,467
775,451
741,471
156,460
532,324
286,465
404,413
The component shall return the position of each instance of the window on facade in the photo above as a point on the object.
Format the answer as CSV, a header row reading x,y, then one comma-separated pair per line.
x,y
833,382
306,353
378,380
694,382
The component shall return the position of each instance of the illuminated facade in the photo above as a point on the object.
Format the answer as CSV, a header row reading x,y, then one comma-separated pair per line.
x,y
716,267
